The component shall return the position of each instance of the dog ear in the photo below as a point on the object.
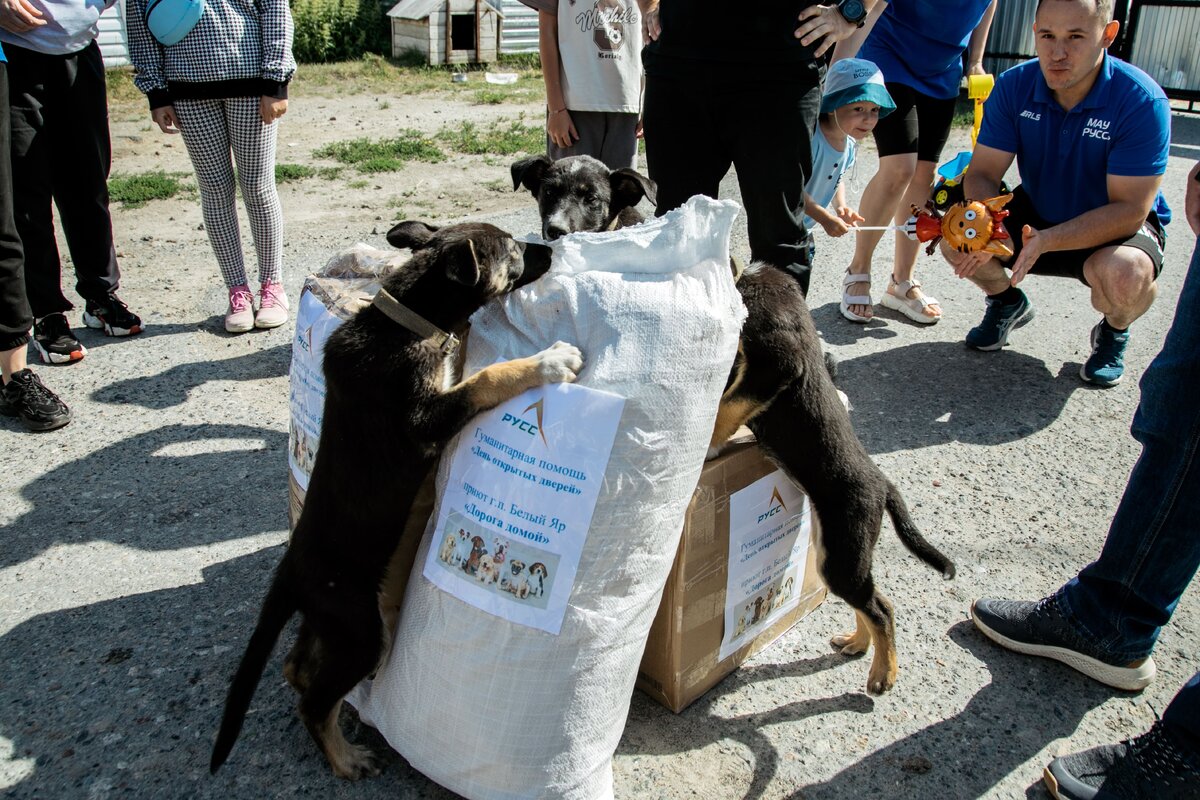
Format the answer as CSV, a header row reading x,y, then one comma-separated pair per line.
x,y
629,187
411,234
462,264
528,172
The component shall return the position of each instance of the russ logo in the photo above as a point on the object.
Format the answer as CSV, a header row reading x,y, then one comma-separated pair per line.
x,y
774,506
524,425
305,339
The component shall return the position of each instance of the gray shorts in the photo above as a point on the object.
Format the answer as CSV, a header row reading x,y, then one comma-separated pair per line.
x,y
607,135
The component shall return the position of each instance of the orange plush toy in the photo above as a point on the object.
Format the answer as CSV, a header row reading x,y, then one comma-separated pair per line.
x,y
968,226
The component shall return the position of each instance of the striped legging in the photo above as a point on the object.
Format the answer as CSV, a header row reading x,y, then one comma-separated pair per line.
x,y
211,130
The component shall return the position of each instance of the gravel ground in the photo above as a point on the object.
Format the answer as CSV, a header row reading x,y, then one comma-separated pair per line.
x,y
139,540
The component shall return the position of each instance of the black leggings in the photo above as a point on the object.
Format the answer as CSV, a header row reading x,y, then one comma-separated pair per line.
x,y
15,317
920,124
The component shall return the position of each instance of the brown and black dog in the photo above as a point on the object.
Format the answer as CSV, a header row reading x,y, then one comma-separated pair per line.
x,y
391,405
782,387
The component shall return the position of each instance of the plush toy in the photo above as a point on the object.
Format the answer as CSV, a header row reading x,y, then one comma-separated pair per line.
x,y
968,226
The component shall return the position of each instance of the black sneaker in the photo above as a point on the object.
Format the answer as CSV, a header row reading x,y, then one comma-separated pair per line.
x,y
112,316
1154,766
39,408
54,341
1041,629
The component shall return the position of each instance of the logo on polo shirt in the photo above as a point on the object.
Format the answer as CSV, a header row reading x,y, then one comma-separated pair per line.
x,y
1097,128
1027,114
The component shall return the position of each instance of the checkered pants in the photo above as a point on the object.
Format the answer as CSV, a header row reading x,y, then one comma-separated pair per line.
x,y
211,129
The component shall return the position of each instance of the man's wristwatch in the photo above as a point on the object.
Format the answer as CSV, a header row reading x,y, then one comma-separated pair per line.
x,y
853,11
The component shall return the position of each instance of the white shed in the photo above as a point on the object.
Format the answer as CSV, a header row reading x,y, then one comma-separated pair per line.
x,y
448,31
113,46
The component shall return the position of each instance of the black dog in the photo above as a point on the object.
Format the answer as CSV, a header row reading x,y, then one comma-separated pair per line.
x,y
391,405
782,388
580,193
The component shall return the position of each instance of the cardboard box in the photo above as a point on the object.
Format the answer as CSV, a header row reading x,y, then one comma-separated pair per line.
x,y
683,658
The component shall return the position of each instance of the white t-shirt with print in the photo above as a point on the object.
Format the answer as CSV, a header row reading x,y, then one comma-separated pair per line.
x,y
600,47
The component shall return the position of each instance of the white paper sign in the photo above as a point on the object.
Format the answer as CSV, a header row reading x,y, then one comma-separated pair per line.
x,y
770,525
314,324
515,513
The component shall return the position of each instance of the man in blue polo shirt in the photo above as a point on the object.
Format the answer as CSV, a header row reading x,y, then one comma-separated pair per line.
x,y
1090,134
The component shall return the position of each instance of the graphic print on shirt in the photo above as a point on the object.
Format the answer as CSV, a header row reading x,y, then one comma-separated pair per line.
x,y
607,20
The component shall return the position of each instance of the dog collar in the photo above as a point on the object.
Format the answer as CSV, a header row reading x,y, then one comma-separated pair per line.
x,y
406,318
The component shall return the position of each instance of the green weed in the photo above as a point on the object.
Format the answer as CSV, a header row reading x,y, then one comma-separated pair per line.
x,y
499,138
136,190
293,172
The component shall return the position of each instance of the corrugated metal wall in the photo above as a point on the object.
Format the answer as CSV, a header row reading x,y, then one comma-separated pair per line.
x,y
1166,44
1011,39
520,33
112,36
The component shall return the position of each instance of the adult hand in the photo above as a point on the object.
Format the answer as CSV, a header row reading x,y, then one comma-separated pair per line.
x,y
651,26
824,26
561,129
1034,244
165,118
19,16
965,265
1191,200
271,109
849,216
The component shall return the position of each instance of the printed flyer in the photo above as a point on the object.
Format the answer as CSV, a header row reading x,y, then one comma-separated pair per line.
x,y
314,324
523,483
770,525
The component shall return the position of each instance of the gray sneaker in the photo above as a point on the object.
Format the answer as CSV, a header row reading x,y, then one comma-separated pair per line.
x,y
1040,629
1154,766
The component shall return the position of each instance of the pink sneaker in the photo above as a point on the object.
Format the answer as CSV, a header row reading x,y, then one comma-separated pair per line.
x,y
240,316
272,306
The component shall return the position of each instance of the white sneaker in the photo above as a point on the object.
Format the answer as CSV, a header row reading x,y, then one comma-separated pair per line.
x,y
272,306
240,316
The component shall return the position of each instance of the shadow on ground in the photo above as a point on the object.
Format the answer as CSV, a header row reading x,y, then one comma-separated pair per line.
x,y
173,487
172,387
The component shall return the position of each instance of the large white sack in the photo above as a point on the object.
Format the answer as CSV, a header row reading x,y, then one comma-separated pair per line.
x,y
494,709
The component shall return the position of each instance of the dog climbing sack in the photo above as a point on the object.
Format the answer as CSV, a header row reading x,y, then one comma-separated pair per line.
x,y
171,20
484,701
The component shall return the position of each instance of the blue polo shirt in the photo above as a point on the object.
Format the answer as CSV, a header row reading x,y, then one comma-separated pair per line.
x,y
1122,127
920,43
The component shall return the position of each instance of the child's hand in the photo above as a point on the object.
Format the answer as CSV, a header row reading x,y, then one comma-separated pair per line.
x,y
561,129
849,216
165,119
835,227
271,109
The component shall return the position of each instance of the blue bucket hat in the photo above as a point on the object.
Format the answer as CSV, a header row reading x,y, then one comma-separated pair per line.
x,y
855,80
170,20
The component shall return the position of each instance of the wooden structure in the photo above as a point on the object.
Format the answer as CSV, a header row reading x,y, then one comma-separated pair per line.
x,y
447,31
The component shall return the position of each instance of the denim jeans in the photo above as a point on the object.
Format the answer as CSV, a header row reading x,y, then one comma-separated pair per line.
x,y
1182,716
1120,602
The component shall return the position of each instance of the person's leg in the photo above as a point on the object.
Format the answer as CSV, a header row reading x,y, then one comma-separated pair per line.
x,y
80,158
620,148
590,127
685,156
896,138
772,129
21,393
253,145
934,118
1105,621
1183,714
32,97
1153,547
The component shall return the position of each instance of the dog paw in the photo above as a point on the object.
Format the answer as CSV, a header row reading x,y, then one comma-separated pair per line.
x,y
848,644
878,686
356,762
560,363
712,453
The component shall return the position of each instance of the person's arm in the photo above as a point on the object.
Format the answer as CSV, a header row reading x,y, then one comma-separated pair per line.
x,y
651,27
277,64
848,47
1191,201
846,213
823,217
1130,199
147,56
978,43
559,126
824,26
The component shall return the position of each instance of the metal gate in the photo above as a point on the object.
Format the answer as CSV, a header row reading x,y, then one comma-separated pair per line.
x,y
1162,37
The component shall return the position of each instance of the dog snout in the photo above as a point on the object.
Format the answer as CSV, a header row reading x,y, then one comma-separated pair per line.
x,y
554,231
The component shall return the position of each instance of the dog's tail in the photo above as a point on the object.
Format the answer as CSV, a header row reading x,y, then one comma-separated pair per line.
x,y
276,611
907,530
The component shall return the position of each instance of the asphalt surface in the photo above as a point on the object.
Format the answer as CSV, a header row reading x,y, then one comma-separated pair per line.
x,y
138,541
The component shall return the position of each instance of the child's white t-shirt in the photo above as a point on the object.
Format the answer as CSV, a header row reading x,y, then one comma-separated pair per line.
x,y
829,165
600,47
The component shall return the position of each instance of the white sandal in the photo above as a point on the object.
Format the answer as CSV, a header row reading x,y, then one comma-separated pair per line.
x,y
911,307
855,299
